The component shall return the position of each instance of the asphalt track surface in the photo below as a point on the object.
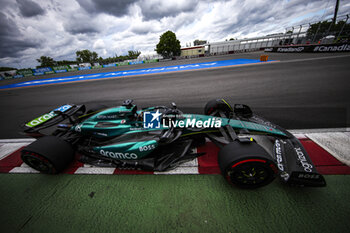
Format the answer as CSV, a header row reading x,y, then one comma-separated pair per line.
x,y
300,91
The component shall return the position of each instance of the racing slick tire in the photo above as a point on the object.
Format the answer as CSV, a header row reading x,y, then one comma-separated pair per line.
x,y
218,105
246,165
48,154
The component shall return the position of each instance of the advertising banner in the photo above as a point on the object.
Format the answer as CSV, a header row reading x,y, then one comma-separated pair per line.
x,y
151,61
110,65
25,72
73,67
8,74
85,68
60,69
135,62
122,63
42,70
345,47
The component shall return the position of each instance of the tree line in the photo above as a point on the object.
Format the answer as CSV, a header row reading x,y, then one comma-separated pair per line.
x,y
87,56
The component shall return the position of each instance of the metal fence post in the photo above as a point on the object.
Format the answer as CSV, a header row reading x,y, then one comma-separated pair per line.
x,y
318,28
299,33
342,28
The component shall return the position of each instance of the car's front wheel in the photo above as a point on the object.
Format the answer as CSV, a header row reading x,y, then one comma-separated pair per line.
x,y
246,165
48,154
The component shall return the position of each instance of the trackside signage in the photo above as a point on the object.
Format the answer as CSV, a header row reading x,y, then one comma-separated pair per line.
x,y
47,116
153,120
311,48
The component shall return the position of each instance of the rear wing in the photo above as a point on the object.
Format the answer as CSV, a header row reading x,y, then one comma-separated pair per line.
x,y
32,128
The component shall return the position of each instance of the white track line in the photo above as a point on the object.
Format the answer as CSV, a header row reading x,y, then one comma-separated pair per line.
x,y
335,143
24,168
18,140
180,170
95,170
8,148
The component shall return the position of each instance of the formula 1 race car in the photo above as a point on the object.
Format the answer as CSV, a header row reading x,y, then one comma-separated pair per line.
x,y
253,151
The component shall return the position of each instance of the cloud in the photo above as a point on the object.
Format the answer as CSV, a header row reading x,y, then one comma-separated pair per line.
x,y
112,7
11,42
99,44
29,8
157,9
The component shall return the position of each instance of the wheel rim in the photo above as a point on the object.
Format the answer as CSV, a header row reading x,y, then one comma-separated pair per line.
x,y
250,173
37,162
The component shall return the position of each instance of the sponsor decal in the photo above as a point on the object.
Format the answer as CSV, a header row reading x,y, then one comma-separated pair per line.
x,y
329,48
85,68
118,155
279,159
41,119
78,128
42,70
107,116
308,176
109,65
261,121
147,148
152,120
194,123
60,71
135,62
291,50
25,72
278,153
47,116
301,157
268,49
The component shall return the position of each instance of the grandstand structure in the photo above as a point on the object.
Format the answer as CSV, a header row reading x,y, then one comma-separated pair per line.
x,y
294,35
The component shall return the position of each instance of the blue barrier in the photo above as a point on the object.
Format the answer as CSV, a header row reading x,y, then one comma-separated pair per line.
x,y
126,73
60,71
85,68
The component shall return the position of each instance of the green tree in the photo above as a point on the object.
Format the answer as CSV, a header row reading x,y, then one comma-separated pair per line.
x,y
7,68
133,54
168,45
86,56
321,28
199,42
46,61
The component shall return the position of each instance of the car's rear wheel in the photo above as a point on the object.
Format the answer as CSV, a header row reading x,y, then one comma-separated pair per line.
x,y
48,154
215,105
246,165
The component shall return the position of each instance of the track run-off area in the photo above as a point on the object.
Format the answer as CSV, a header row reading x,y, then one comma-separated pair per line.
x,y
298,91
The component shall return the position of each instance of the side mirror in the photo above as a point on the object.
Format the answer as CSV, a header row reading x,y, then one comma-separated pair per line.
x,y
128,103
243,110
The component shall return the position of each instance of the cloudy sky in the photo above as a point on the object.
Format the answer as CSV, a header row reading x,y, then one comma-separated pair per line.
x,y
57,28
